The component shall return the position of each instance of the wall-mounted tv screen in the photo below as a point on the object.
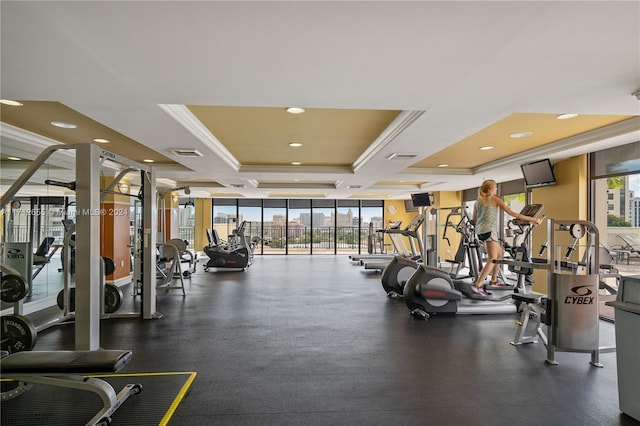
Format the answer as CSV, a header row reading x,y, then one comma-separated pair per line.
x,y
409,207
538,173
421,200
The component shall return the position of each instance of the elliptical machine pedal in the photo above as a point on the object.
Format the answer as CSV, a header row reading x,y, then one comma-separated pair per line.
x,y
419,314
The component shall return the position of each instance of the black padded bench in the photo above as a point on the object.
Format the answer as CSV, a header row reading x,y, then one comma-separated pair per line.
x,y
67,369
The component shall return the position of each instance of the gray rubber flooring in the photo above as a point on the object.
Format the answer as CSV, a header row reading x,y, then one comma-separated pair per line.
x,y
313,340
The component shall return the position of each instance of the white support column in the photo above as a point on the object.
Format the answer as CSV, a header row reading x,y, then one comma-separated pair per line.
x,y
150,223
87,265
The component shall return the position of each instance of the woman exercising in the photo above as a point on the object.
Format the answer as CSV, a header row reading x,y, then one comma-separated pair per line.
x,y
485,216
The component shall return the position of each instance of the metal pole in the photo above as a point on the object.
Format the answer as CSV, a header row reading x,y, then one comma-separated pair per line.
x,y
88,288
150,228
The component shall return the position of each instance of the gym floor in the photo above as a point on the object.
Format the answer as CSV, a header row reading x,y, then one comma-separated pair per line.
x,y
313,340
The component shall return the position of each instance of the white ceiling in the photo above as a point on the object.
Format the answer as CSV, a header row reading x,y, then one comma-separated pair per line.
x,y
456,67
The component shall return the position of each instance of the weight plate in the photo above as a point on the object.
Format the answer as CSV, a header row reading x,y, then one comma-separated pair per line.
x,y
109,265
72,300
13,288
18,334
112,298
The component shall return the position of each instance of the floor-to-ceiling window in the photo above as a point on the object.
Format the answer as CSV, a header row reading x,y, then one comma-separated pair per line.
x,y
323,230
250,212
371,218
299,227
347,227
274,237
615,209
225,217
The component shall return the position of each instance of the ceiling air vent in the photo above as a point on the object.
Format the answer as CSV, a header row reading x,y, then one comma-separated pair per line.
x,y
185,152
354,186
398,156
238,185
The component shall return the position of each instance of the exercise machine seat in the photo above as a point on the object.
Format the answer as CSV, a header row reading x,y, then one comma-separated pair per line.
x,y
40,255
65,362
66,369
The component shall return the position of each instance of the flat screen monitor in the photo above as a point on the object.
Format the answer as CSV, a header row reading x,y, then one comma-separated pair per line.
x,y
421,200
538,173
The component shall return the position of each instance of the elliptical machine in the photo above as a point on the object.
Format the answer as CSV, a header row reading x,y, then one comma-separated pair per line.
x,y
519,250
469,253
430,290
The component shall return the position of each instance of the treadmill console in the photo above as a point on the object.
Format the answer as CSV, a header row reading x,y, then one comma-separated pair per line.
x,y
532,210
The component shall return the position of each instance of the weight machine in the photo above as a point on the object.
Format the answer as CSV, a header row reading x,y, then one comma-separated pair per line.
x,y
89,159
569,310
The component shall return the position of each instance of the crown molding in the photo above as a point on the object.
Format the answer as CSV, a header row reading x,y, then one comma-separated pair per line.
x,y
183,115
397,126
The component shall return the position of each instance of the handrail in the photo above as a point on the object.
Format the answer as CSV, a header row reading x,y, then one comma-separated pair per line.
x,y
30,171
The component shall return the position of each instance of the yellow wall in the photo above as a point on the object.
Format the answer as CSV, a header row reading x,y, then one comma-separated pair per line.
x,y
443,200
202,222
565,201
398,214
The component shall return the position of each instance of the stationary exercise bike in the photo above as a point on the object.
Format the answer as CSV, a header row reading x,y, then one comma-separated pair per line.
x,y
236,253
430,291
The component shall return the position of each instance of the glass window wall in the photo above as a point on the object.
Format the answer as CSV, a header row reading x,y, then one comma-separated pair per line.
x,y
347,227
615,209
299,227
274,225
250,212
323,229
225,218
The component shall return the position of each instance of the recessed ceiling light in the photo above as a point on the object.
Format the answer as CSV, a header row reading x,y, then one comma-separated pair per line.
x,y
295,144
296,180
486,148
100,140
520,134
146,160
295,110
443,165
566,116
295,163
63,125
10,102
14,158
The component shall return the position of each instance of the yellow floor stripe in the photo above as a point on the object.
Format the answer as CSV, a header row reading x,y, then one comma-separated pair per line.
x,y
179,397
176,401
